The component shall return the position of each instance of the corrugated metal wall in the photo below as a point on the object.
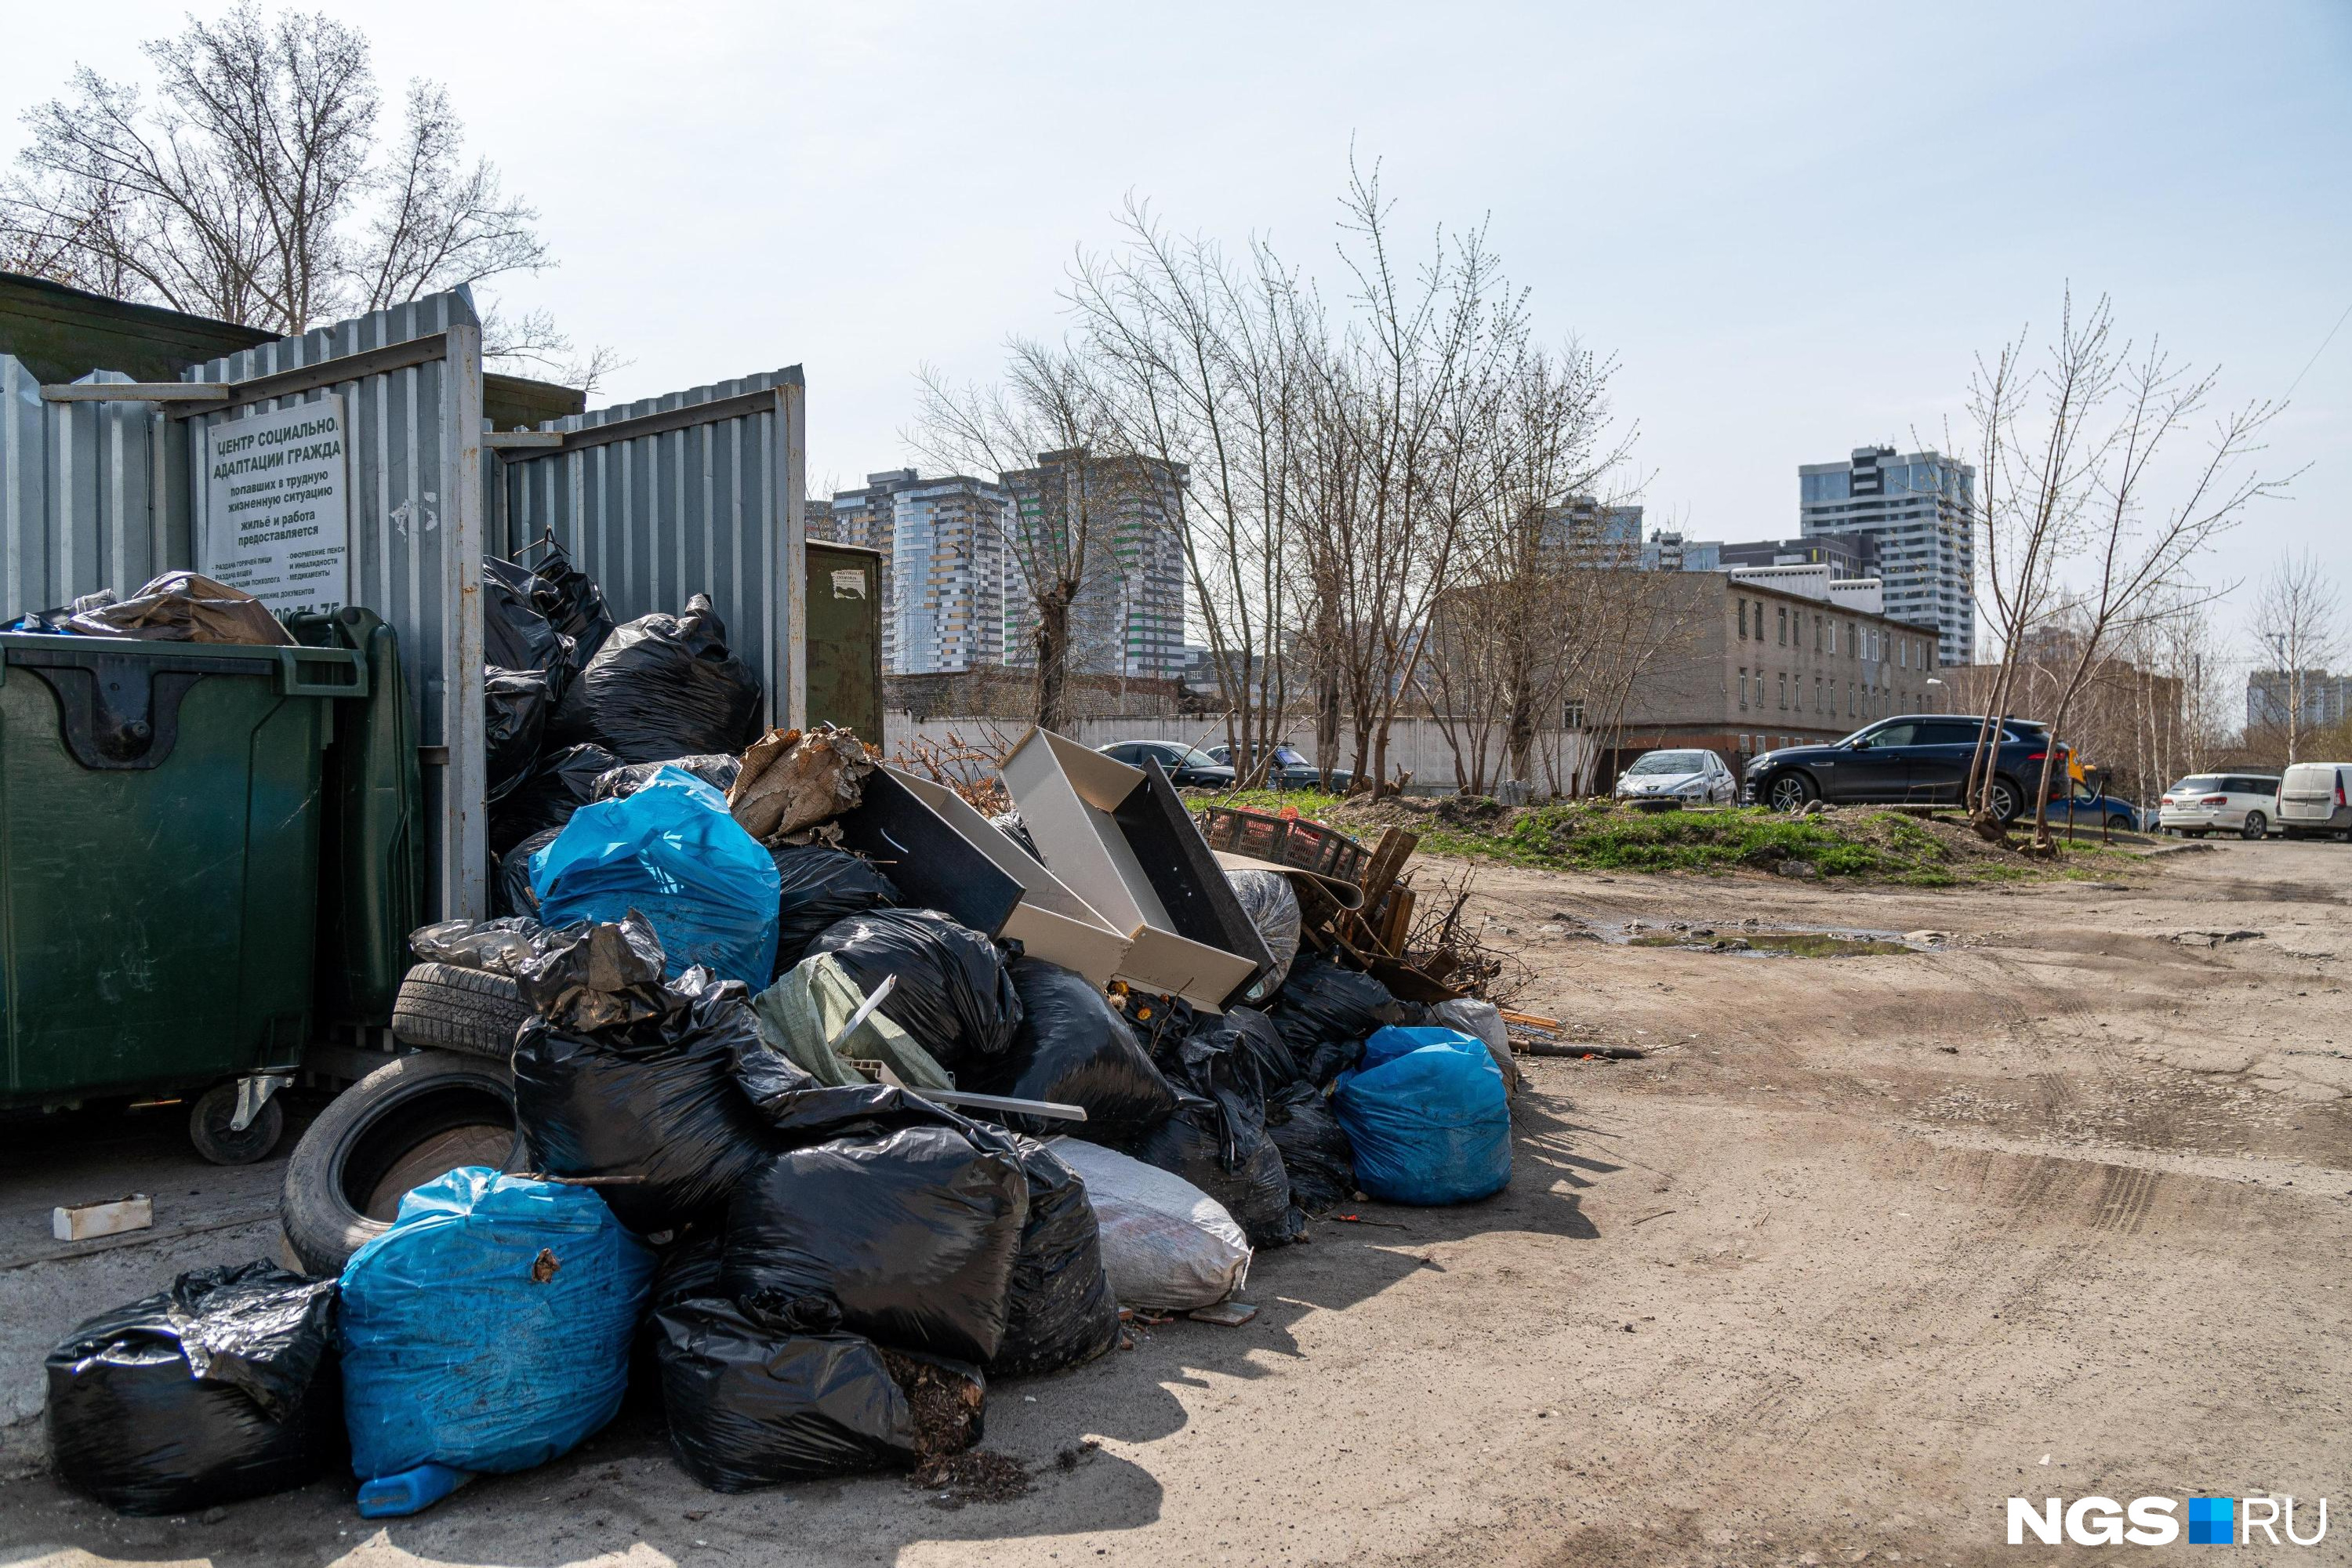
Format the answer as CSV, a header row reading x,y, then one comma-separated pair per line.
x,y
710,505
697,491
416,506
77,481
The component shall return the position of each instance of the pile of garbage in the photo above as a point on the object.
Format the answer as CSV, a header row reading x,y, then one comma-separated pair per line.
x,y
836,1103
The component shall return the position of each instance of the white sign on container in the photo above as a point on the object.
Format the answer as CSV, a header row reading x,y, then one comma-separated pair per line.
x,y
276,507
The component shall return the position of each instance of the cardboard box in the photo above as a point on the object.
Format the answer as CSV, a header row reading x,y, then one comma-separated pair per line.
x,y
1120,839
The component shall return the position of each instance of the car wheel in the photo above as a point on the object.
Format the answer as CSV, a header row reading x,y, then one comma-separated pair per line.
x,y
2255,826
1789,791
2005,802
416,1117
470,1011
216,1141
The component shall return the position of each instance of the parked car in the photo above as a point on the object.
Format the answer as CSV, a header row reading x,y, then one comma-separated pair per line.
x,y
2088,807
1189,767
1916,758
2311,800
1683,778
1291,769
2242,803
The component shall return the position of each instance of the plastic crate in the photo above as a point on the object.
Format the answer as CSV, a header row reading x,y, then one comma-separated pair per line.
x,y
1284,840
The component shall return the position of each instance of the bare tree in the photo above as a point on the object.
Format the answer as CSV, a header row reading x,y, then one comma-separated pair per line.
x,y
2298,620
2039,452
250,187
1206,358
1050,406
1527,619
2135,547
1397,412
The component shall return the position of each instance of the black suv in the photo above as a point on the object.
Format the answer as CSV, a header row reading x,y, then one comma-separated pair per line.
x,y
1916,759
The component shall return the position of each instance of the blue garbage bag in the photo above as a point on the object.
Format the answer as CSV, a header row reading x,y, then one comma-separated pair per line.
x,y
671,852
489,1328
1429,1117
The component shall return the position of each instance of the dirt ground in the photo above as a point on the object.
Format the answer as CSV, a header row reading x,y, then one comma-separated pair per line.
x,y
2058,1206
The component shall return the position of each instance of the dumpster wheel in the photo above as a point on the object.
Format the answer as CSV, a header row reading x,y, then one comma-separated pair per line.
x,y
416,1117
210,1130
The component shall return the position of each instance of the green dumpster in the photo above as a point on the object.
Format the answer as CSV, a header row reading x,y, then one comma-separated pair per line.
x,y
161,806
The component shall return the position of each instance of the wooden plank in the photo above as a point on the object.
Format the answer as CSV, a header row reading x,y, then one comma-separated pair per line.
x,y
1398,924
1396,847
1529,1020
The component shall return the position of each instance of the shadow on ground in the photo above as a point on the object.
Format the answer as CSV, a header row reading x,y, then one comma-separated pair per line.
x,y
619,1497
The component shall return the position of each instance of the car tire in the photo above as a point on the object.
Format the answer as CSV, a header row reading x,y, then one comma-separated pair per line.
x,y
2255,826
2006,801
416,1117
1789,791
443,1007
216,1141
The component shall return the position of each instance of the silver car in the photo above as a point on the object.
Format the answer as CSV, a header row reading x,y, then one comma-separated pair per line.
x,y
2242,803
1677,778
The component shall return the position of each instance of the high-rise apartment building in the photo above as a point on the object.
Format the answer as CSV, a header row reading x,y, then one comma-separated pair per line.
x,y
943,541
1129,616
1921,508
2272,694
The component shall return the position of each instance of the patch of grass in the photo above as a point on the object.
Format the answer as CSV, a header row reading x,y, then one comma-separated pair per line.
x,y
1596,835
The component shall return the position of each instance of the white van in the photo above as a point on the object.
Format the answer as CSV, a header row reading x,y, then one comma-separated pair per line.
x,y
2311,800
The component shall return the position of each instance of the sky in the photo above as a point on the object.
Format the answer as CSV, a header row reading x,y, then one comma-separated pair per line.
x,y
1794,227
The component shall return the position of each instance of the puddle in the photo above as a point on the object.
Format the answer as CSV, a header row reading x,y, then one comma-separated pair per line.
x,y
1788,943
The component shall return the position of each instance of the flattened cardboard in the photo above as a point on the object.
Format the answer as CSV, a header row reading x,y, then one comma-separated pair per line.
x,y
1069,797
1049,920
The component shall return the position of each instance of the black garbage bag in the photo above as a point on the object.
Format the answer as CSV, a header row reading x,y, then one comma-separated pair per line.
x,y
1321,1067
517,634
560,783
1073,1047
622,1075
750,1408
953,994
501,945
1217,1138
717,769
663,686
574,604
1265,1058
510,890
1062,1311
908,1236
818,889
1322,1002
516,704
1316,1154
1241,1168
222,1387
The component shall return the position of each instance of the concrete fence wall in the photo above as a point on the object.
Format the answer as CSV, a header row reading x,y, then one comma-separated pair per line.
x,y
1419,746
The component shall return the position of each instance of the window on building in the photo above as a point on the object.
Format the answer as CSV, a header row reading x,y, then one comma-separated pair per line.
x,y
1743,686
1817,634
1784,688
1784,626
1743,620
1817,694
1849,699
1853,649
